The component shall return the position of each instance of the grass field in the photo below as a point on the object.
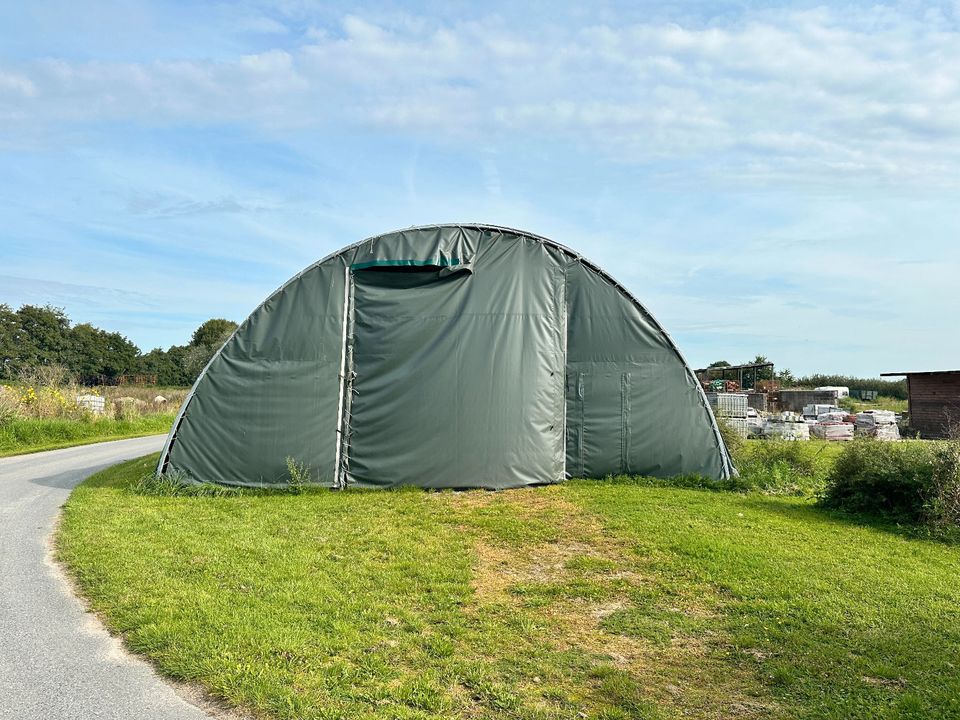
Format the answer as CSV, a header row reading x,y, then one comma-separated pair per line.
x,y
881,403
26,435
591,599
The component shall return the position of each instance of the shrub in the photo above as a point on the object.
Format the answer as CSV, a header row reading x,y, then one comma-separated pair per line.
x,y
780,467
942,499
913,481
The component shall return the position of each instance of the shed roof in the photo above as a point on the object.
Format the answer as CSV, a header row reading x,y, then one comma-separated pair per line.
x,y
921,372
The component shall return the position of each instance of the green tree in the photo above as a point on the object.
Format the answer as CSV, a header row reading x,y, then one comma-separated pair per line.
x,y
43,337
9,336
761,373
719,364
94,352
213,332
786,378
167,365
204,343
120,355
87,350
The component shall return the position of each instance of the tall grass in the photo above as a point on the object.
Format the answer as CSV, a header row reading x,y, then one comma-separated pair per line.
x,y
34,434
774,466
50,392
41,411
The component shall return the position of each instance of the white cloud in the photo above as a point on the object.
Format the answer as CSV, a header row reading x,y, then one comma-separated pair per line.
x,y
865,93
16,84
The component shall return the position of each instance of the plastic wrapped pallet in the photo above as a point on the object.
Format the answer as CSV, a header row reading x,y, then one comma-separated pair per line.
x,y
832,430
880,424
887,432
728,404
870,418
786,430
832,417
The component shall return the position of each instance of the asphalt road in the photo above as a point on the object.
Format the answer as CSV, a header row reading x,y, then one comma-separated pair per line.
x,y
56,660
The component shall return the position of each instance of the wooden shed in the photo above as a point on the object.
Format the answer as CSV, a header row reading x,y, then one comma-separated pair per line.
x,y
934,401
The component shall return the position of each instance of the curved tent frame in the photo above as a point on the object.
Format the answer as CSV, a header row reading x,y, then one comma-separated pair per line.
x,y
728,469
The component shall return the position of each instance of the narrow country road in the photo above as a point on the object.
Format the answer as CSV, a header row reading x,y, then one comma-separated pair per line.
x,y
56,661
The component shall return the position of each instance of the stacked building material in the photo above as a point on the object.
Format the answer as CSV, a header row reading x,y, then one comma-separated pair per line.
x,y
834,416
787,426
754,423
833,430
812,412
731,405
740,425
880,424
92,403
731,408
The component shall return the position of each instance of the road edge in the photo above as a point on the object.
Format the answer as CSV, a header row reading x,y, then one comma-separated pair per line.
x,y
192,693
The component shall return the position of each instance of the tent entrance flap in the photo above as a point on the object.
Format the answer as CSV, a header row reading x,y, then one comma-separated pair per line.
x,y
447,380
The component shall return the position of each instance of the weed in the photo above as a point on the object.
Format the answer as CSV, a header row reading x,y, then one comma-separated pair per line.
x,y
300,475
942,499
9,405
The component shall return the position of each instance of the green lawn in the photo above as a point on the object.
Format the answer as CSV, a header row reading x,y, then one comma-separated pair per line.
x,y
27,435
881,403
586,600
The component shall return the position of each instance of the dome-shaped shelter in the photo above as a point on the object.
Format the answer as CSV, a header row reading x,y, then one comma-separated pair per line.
x,y
446,356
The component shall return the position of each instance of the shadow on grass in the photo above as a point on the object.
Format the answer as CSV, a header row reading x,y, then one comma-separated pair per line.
x,y
809,511
883,523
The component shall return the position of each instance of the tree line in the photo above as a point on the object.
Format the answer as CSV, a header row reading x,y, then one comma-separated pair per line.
x,y
34,336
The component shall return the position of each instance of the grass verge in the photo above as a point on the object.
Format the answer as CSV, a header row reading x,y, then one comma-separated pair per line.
x,y
605,600
28,435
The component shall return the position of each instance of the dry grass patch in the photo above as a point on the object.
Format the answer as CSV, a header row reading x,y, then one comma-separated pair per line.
x,y
591,587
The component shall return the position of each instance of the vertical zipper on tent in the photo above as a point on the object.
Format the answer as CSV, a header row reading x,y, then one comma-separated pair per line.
x,y
625,385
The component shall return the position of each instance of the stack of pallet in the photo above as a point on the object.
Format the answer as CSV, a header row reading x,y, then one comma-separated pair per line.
x,y
787,426
92,403
880,424
833,430
732,407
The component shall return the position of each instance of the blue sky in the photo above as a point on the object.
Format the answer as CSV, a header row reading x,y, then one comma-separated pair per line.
x,y
776,178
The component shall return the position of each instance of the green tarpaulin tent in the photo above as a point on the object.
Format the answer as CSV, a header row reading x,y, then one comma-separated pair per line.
x,y
446,356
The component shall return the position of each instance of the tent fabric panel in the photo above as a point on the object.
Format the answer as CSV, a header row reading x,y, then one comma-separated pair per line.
x,y
264,429
672,433
598,430
268,394
671,427
459,379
